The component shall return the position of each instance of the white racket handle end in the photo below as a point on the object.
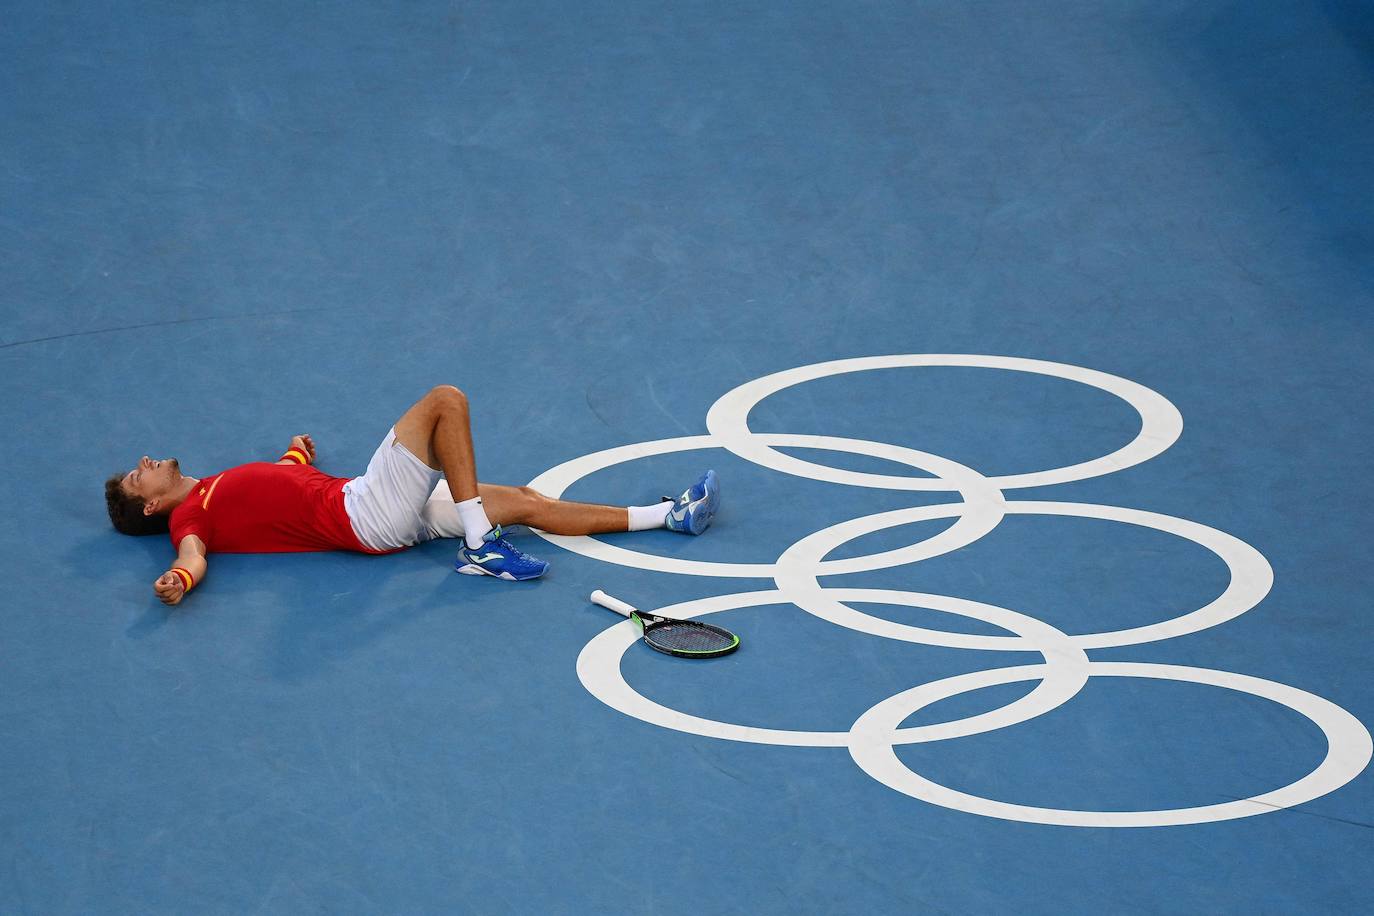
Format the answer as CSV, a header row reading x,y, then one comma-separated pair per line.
x,y
611,603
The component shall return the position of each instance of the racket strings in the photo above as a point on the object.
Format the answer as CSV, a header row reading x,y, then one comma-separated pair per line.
x,y
689,636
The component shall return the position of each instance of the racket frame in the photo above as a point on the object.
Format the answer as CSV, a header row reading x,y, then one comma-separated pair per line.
x,y
647,622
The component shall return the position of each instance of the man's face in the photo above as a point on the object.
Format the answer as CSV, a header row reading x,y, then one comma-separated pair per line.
x,y
151,481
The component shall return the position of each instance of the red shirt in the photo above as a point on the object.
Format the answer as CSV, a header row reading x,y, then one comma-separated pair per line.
x,y
267,508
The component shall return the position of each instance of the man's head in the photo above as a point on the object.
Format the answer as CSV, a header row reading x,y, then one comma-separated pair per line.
x,y
140,500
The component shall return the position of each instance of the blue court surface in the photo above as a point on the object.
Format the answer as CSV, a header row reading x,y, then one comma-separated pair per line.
x,y
1033,345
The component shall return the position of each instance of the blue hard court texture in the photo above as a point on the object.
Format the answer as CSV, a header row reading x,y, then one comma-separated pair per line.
x,y
225,224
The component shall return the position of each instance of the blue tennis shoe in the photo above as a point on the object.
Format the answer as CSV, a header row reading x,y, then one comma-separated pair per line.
x,y
693,510
500,558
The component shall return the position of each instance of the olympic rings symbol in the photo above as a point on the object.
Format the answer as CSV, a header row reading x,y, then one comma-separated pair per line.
x,y
871,740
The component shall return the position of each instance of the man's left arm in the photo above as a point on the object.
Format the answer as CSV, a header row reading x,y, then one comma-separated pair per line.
x,y
302,451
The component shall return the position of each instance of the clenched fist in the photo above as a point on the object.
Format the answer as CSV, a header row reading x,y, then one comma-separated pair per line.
x,y
169,588
306,445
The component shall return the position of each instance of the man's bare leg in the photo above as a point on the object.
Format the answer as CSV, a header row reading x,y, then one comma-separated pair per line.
x,y
437,431
523,506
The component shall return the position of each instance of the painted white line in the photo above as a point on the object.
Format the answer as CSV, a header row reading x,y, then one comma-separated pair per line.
x,y
1349,749
728,420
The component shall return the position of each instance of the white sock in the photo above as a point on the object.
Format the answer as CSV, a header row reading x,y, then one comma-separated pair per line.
x,y
642,518
475,523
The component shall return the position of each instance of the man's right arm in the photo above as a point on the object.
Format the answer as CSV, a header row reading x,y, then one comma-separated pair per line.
x,y
186,572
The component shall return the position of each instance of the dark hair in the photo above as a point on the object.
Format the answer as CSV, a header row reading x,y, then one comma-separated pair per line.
x,y
126,512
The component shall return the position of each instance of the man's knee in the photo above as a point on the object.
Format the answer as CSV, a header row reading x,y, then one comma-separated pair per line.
x,y
448,397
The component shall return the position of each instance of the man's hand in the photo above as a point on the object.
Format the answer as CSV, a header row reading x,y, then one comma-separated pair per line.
x,y
306,445
169,587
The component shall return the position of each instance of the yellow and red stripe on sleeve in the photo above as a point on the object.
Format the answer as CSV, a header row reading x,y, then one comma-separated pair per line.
x,y
296,455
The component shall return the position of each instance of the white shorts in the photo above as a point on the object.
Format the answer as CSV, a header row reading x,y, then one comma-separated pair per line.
x,y
400,501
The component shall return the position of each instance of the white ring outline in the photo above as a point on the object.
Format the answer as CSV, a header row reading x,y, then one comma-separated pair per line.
x,y
1251,576
728,420
1349,748
598,668
980,512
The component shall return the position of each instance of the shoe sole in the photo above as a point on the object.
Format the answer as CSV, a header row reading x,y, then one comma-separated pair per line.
x,y
702,518
472,569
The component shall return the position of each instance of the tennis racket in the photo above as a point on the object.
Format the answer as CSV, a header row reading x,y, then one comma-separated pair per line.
x,y
683,638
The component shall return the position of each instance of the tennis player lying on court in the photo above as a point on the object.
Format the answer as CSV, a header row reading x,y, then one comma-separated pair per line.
x,y
420,484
